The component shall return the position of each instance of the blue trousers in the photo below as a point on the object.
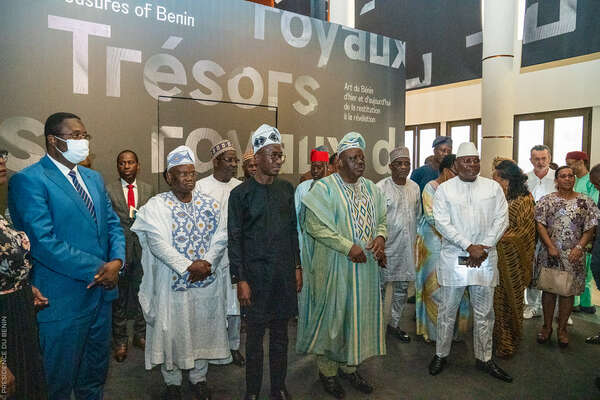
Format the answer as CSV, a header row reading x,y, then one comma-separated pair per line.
x,y
76,354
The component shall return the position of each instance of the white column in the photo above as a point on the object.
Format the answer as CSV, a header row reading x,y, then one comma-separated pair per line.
x,y
342,12
497,87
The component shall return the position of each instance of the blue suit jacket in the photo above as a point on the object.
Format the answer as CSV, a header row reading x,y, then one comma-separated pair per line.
x,y
67,245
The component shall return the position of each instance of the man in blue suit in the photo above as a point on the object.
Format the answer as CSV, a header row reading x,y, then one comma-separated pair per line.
x,y
78,248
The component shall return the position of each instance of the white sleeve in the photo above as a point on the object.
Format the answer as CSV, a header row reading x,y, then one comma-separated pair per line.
x,y
443,221
500,219
166,253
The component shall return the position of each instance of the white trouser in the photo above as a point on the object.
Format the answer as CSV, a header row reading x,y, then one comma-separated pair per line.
x,y
234,323
533,298
482,301
399,298
174,376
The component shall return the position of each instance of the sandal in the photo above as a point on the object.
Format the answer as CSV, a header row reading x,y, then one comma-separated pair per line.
x,y
563,340
544,337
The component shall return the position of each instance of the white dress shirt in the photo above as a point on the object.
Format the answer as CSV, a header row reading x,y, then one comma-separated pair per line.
x,y
126,191
541,187
467,213
65,171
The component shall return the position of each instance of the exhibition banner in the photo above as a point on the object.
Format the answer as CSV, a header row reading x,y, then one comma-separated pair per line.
x,y
151,75
311,8
443,37
559,29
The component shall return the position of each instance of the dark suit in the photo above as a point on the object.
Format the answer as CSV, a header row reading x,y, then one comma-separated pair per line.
x,y
68,247
128,304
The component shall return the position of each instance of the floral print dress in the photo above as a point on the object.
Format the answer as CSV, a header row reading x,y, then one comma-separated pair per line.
x,y
566,221
15,261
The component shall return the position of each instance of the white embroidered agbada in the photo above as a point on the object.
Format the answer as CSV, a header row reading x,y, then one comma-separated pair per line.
x,y
184,321
220,191
403,212
468,213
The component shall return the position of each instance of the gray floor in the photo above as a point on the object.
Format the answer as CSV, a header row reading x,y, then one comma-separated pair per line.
x,y
540,371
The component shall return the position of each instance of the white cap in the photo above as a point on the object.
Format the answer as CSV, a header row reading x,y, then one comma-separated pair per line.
x,y
467,149
264,136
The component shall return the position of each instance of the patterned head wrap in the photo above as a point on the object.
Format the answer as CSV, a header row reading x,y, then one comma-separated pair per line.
x,y
264,136
220,148
438,141
181,155
352,140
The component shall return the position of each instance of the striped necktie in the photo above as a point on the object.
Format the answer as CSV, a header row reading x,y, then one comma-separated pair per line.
x,y
86,199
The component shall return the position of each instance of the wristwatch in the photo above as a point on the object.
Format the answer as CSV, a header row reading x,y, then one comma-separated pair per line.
x,y
579,247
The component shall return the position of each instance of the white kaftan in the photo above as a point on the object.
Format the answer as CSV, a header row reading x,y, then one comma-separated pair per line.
x,y
468,213
403,213
220,191
184,322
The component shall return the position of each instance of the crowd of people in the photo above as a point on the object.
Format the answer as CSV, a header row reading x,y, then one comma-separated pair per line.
x,y
190,266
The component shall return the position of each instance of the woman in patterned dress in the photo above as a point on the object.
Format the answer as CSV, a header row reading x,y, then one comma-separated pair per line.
x,y
515,258
21,367
428,252
566,221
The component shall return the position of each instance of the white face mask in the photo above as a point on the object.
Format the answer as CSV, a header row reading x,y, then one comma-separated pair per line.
x,y
77,150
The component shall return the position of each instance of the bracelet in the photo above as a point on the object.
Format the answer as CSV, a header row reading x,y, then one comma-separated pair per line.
x,y
299,267
579,247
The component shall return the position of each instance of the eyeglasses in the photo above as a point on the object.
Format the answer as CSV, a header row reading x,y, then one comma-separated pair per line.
x,y
4,155
76,136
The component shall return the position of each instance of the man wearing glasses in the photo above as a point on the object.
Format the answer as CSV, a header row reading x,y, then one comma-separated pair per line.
x,y
78,249
219,185
264,261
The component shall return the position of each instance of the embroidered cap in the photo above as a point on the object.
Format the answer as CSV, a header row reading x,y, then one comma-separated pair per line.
x,y
220,148
264,136
249,155
399,152
181,155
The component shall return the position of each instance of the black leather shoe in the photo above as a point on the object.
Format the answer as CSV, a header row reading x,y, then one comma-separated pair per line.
x,y
358,382
251,397
494,370
332,386
238,358
398,334
139,342
201,391
282,394
437,365
588,310
173,392
121,352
